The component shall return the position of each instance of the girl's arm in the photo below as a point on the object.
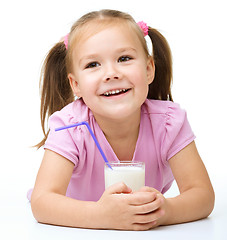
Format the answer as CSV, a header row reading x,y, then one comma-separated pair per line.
x,y
196,199
113,211
48,201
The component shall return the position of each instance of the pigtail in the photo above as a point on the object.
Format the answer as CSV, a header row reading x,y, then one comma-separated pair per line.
x,y
55,88
160,88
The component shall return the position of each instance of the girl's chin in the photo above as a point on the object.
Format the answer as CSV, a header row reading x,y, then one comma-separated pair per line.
x,y
117,113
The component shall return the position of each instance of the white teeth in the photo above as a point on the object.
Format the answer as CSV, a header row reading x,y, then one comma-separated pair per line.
x,y
114,92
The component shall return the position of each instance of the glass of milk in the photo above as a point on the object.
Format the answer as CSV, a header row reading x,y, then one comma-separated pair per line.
x,y
131,173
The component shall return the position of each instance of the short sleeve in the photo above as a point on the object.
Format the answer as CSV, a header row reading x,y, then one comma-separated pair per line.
x,y
178,132
62,141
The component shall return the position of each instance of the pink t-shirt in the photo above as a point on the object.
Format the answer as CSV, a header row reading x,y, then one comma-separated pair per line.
x,y
164,131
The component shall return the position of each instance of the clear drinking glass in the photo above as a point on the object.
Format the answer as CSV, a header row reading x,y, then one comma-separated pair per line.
x,y
131,173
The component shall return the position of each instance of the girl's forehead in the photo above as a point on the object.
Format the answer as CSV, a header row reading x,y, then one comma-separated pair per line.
x,y
92,28
110,39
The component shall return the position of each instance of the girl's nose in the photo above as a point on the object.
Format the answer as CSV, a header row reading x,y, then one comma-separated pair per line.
x,y
111,77
111,73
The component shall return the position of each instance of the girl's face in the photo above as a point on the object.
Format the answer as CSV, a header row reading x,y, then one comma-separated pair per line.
x,y
111,73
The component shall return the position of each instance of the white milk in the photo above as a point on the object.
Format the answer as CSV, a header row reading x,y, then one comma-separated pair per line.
x,y
131,173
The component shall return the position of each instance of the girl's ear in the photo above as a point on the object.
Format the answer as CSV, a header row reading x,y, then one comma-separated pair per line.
x,y
74,85
150,70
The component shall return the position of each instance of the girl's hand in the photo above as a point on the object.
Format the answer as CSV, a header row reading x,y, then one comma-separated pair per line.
x,y
119,208
160,202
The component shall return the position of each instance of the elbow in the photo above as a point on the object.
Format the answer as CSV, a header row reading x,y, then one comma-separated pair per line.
x,y
210,203
36,207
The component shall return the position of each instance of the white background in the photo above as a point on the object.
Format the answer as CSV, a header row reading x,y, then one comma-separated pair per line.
x,y
196,32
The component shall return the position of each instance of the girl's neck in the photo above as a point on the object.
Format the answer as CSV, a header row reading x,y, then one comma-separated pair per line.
x,y
121,134
121,128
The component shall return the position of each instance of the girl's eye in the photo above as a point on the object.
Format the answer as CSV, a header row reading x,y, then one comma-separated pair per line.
x,y
92,65
124,59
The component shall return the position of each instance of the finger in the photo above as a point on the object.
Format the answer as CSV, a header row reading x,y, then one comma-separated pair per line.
x,y
149,207
143,226
118,188
160,196
145,189
150,217
140,198
148,189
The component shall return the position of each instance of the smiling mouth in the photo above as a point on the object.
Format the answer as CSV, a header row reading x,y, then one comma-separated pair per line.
x,y
115,92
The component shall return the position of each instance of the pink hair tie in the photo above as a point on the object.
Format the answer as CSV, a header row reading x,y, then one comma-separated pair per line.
x,y
66,40
143,27
141,24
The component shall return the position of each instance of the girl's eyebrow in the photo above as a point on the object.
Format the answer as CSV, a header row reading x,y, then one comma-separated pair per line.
x,y
88,57
120,50
94,55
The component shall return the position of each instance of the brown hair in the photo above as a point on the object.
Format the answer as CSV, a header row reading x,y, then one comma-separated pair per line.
x,y
56,91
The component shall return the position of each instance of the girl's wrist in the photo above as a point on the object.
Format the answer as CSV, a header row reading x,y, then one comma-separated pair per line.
x,y
95,212
164,220
89,213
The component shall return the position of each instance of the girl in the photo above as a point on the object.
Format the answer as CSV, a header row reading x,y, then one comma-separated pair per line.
x,y
124,94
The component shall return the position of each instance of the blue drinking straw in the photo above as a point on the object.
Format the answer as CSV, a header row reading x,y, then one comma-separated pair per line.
x,y
93,136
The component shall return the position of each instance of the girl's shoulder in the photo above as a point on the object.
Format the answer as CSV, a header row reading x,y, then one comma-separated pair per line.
x,y
161,107
166,118
169,125
74,112
166,112
68,143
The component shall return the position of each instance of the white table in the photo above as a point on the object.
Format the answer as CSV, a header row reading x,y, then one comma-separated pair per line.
x,y
17,222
